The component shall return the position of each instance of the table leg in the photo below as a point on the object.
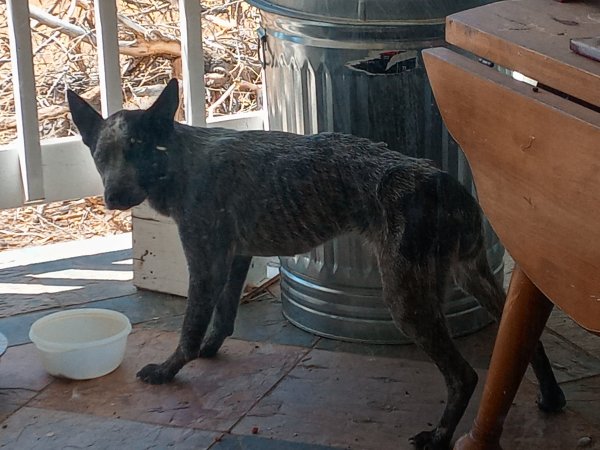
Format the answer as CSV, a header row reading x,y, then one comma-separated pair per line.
x,y
525,314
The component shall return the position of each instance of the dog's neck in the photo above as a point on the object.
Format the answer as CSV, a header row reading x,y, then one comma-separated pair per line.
x,y
161,190
160,195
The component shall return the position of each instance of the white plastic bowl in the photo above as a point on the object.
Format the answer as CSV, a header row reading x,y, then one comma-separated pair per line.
x,y
81,343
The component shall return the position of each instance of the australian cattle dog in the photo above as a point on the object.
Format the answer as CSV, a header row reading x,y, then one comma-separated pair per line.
x,y
238,194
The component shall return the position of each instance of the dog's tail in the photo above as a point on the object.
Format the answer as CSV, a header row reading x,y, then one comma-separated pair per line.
x,y
459,212
472,271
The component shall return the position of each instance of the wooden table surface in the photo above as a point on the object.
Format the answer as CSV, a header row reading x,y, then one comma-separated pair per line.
x,y
532,37
535,157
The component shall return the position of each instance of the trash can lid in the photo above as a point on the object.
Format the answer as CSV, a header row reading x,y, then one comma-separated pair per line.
x,y
367,10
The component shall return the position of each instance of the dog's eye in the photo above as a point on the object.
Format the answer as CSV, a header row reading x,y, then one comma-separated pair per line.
x,y
134,148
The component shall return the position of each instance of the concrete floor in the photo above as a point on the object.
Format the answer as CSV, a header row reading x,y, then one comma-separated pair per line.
x,y
272,386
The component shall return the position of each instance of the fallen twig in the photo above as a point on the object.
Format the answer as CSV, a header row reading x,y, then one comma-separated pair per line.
x,y
255,292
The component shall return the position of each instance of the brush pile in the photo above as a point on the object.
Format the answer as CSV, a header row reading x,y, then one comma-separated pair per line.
x,y
65,56
60,221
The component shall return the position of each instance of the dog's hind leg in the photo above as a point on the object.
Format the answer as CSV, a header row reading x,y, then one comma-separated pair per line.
x,y
226,310
413,292
208,267
475,276
417,250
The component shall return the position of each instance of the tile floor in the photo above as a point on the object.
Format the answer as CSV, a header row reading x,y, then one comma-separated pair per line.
x,y
272,387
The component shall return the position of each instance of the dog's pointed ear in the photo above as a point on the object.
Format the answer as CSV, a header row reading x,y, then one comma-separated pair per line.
x,y
162,112
85,117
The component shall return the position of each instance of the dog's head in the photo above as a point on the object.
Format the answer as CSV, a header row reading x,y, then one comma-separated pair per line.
x,y
130,148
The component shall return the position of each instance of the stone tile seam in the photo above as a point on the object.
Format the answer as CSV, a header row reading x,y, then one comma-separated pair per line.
x,y
272,388
564,339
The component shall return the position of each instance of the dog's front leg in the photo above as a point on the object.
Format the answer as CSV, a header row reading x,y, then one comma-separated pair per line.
x,y
208,276
226,309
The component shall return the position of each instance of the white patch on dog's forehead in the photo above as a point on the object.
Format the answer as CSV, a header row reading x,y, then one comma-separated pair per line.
x,y
112,141
115,130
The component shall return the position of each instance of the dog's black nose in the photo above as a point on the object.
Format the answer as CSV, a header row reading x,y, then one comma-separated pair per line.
x,y
122,199
112,200
117,200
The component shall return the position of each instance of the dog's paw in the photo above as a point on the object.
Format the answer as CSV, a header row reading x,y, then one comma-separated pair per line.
x,y
154,374
429,440
552,402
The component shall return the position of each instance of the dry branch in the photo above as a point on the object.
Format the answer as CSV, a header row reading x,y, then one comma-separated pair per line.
x,y
143,48
60,221
140,48
48,112
220,100
60,25
51,111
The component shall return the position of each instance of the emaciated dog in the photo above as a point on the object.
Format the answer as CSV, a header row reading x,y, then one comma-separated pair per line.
x,y
235,195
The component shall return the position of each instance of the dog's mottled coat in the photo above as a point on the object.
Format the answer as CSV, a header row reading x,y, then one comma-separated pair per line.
x,y
235,195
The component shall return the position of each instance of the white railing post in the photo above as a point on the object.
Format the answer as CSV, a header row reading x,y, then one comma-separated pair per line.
x,y
109,69
30,155
192,60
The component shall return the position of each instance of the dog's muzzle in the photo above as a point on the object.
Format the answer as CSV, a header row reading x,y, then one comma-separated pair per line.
x,y
123,200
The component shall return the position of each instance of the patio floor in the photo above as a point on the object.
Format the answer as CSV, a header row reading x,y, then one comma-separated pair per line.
x,y
272,387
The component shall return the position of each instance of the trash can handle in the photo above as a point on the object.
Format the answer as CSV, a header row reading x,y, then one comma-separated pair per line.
x,y
262,45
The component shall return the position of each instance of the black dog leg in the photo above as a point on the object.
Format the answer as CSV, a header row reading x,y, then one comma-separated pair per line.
x,y
479,281
550,397
208,276
413,294
226,309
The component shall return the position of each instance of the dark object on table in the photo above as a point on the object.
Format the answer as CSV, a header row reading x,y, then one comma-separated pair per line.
x,y
588,47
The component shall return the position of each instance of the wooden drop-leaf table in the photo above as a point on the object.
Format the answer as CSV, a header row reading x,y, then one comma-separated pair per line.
x,y
535,156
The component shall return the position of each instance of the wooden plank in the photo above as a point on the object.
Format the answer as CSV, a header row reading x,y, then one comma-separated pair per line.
x,y
192,62
534,158
109,69
30,155
253,120
158,260
532,37
68,172
11,186
32,256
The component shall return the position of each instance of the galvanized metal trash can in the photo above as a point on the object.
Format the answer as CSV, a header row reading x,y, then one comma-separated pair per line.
x,y
354,66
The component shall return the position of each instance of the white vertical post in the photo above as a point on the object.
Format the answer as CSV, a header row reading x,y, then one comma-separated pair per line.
x,y
192,60
30,154
109,70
